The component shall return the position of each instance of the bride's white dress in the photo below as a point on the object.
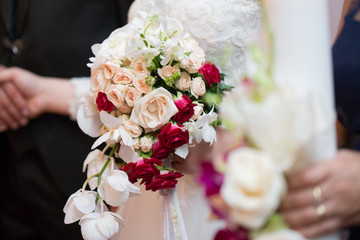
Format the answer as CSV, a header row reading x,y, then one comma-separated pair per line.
x,y
222,28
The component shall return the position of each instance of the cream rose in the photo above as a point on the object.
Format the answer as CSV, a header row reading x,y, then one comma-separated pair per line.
x,y
136,143
183,83
111,67
252,188
140,84
154,110
124,76
197,87
139,67
146,144
198,110
133,129
284,234
98,82
168,71
116,94
131,96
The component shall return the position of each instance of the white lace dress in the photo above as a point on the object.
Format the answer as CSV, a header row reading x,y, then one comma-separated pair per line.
x,y
223,28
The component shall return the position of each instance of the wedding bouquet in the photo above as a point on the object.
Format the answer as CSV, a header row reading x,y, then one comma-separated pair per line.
x,y
152,95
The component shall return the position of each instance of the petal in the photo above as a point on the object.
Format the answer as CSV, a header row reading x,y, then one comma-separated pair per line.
x,y
134,190
182,151
89,229
107,225
96,154
114,189
110,121
72,214
126,137
70,200
128,154
101,139
85,203
89,124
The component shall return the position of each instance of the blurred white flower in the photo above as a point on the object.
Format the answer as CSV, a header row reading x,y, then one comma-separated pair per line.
x,y
116,188
94,163
252,188
79,204
100,226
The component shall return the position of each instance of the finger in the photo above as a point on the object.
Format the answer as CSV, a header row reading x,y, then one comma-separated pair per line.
x,y
297,199
311,176
14,115
304,216
6,118
17,98
320,228
3,127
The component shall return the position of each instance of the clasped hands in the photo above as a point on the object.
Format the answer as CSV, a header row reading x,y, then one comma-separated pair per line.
x,y
21,97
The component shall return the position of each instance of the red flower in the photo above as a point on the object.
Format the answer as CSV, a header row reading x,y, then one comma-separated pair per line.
x,y
144,169
171,136
186,109
159,151
103,103
211,73
166,179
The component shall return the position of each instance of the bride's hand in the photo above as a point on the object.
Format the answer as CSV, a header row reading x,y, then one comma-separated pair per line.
x,y
336,186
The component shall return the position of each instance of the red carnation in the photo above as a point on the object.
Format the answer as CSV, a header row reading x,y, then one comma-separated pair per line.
x,y
144,169
103,103
166,179
186,109
159,151
211,73
171,136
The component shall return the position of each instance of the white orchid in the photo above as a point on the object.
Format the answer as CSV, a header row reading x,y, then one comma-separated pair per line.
x,y
95,162
116,131
100,225
204,122
79,204
88,117
116,188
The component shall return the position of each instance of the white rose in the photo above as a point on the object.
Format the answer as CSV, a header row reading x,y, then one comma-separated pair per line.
x,y
98,82
111,67
198,110
124,76
183,83
146,144
197,87
252,188
133,129
284,234
190,65
154,110
168,71
116,94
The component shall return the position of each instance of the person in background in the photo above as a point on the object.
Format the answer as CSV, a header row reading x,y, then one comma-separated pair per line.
x,y
42,45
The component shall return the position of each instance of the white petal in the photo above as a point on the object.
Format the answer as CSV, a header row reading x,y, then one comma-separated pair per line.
x,y
182,151
72,214
126,137
96,154
114,189
85,203
101,139
89,229
107,225
134,190
128,154
208,133
70,200
110,121
90,125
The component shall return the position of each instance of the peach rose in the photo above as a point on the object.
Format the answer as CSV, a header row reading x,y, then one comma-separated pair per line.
x,y
139,67
146,144
136,144
154,110
183,83
98,82
168,71
133,129
111,67
131,96
124,76
197,87
140,84
116,94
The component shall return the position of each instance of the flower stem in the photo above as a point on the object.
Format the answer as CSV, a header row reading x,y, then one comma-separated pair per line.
x,y
87,180
107,162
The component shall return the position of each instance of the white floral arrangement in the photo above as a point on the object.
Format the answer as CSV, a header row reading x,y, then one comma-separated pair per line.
x,y
152,95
